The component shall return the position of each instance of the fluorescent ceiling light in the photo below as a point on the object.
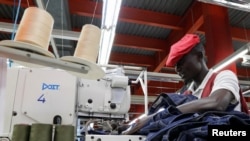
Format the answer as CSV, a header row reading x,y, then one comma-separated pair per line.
x,y
230,59
110,12
242,5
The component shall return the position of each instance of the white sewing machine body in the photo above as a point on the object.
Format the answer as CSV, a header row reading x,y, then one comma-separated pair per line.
x,y
108,97
48,96
38,96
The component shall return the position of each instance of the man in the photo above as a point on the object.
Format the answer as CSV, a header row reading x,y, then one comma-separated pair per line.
x,y
188,57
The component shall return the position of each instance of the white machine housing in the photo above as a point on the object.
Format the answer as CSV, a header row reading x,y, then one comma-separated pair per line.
x,y
37,96
107,97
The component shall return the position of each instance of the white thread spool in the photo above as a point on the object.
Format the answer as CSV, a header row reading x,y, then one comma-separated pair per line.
x,y
35,27
88,43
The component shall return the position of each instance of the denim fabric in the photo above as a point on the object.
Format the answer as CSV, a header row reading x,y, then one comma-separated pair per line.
x,y
161,101
186,136
231,107
166,99
197,129
171,125
169,111
174,121
160,120
220,114
187,132
193,126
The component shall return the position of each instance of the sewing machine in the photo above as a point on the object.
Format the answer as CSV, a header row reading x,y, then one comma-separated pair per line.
x,y
38,96
107,97
44,95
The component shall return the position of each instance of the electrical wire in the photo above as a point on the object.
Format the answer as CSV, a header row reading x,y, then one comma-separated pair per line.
x,y
14,26
94,12
13,11
28,3
47,5
62,27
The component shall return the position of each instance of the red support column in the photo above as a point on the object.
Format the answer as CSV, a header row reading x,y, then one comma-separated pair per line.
x,y
218,35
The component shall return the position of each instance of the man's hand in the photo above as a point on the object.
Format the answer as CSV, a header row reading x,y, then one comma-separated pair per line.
x,y
137,126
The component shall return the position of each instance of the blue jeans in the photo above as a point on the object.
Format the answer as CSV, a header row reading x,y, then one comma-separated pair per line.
x,y
157,129
169,99
197,129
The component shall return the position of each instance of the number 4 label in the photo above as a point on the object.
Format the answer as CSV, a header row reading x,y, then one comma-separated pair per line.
x,y
41,99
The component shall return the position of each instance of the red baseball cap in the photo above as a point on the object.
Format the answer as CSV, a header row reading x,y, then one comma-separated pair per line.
x,y
180,48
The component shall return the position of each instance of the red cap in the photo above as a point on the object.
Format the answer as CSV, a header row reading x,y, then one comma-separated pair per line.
x,y
180,48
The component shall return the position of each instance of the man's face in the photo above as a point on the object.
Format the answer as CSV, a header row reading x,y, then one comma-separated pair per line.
x,y
188,66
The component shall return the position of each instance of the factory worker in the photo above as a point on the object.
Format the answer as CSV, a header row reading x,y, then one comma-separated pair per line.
x,y
214,91
188,58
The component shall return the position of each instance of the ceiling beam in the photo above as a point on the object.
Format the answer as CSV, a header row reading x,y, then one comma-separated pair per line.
x,y
150,18
85,8
237,33
193,21
139,42
130,15
24,3
240,34
131,59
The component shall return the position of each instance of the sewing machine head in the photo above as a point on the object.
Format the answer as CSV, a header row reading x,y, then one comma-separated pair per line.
x,y
108,97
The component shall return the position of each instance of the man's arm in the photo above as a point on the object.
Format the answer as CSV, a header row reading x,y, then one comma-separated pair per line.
x,y
218,100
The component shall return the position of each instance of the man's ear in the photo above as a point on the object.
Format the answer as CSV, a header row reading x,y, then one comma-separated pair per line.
x,y
200,55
